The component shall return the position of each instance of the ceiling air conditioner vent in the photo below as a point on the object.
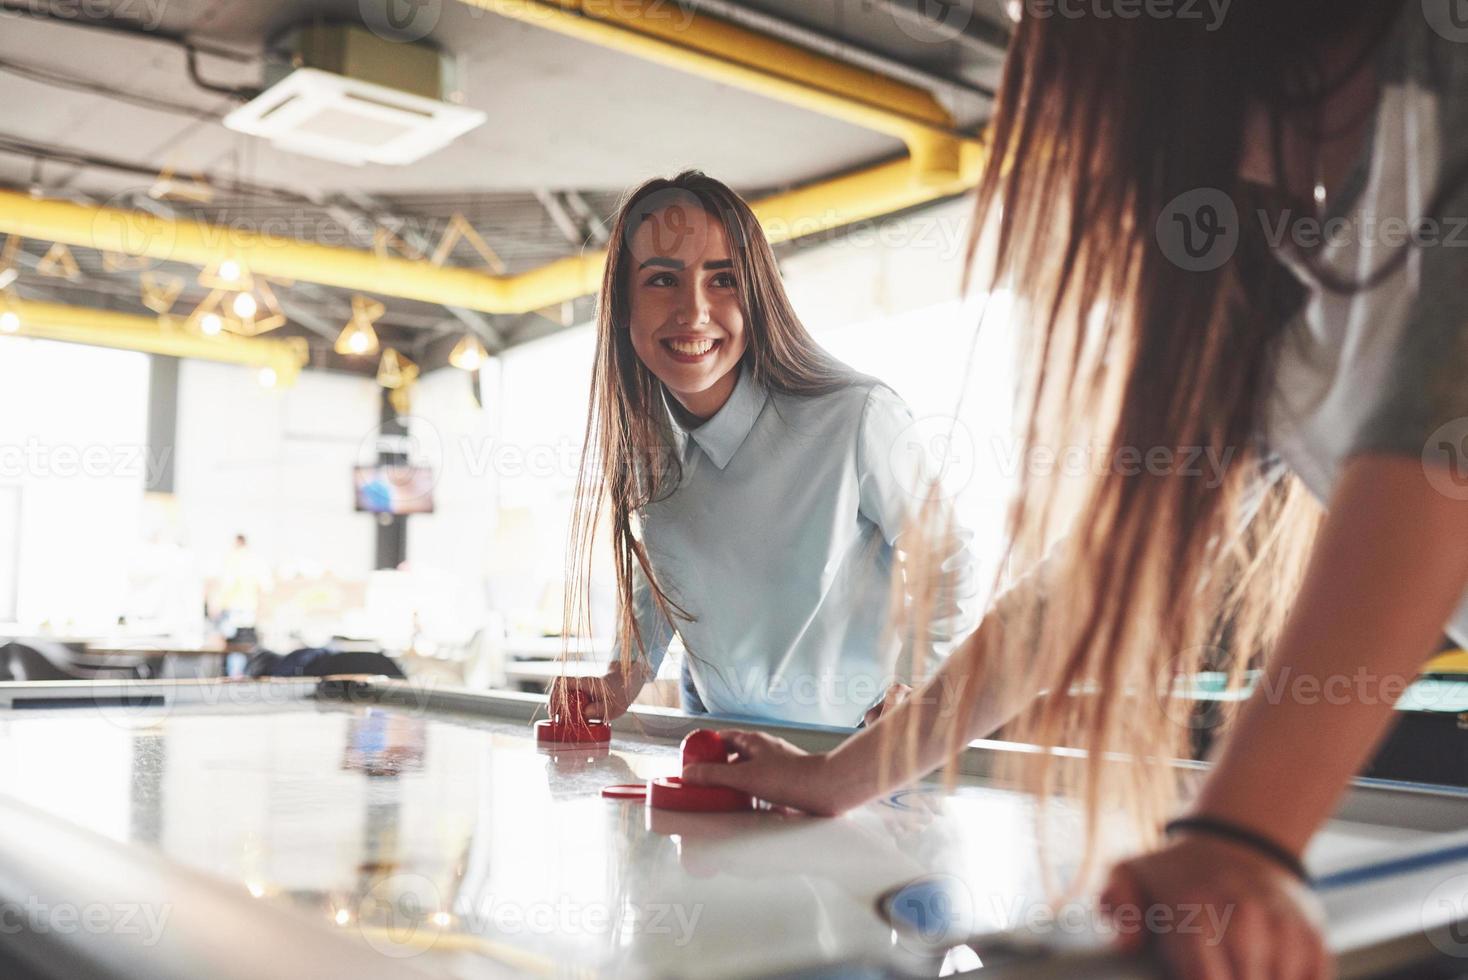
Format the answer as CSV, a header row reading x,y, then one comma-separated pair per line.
x,y
330,107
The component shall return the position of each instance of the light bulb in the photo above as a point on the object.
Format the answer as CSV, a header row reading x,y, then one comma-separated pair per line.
x,y
267,377
244,305
229,270
211,323
9,321
357,342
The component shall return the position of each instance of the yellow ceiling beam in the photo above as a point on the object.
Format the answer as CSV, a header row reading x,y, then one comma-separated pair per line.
x,y
141,234
126,331
857,196
720,51
938,164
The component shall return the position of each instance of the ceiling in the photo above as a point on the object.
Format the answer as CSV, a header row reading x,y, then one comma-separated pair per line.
x,y
93,110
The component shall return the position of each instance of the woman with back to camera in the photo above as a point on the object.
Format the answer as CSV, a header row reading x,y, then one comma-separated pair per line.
x,y
753,484
1236,236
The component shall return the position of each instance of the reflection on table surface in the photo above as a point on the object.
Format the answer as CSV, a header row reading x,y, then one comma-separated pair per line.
x,y
455,841
459,841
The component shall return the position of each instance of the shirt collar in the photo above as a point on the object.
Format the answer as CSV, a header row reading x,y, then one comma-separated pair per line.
x,y
721,436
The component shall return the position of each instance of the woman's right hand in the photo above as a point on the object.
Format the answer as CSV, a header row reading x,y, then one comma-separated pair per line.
x,y
773,770
606,697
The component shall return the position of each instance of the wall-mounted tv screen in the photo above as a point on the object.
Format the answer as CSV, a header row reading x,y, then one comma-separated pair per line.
x,y
394,489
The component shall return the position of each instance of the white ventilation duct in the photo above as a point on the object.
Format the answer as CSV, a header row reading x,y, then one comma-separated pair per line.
x,y
353,97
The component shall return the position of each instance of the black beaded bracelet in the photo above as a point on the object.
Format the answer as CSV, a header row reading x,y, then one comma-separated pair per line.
x,y
1240,835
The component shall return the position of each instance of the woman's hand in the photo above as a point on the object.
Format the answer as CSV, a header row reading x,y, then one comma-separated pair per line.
x,y
896,694
607,697
772,769
1215,910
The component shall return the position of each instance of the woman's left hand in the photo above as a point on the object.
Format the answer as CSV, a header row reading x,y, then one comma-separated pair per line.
x,y
1215,910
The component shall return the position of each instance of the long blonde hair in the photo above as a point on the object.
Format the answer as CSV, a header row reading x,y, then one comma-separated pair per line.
x,y
1153,573
628,460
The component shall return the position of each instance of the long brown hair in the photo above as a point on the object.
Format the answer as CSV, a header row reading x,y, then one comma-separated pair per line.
x,y
627,461
1100,127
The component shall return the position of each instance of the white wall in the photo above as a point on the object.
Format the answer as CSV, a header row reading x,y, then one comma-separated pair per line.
x,y
73,434
541,397
276,465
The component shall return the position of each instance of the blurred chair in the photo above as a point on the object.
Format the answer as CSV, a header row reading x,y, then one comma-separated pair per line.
x,y
38,659
320,662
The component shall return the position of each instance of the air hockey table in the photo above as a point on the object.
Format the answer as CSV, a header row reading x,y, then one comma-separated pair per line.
x,y
364,828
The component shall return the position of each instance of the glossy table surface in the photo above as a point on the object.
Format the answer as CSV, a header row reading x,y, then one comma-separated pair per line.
x,y
449,841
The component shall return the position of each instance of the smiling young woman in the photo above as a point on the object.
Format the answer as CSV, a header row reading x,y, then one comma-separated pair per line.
x,y
755,502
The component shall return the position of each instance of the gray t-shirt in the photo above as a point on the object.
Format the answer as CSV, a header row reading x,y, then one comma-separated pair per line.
x,y
1386,370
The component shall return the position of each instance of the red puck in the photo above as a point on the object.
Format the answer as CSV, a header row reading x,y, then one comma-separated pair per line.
x,y
672,793
561,732
625,791
704,745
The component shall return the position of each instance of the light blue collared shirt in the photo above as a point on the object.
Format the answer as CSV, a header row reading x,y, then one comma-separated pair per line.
x,y
779,541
